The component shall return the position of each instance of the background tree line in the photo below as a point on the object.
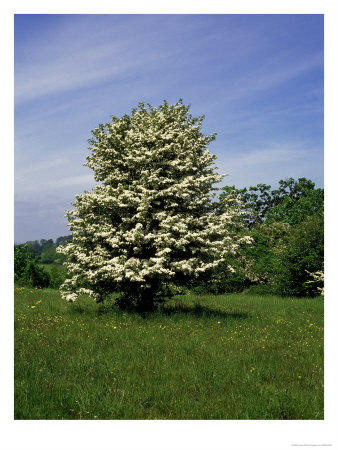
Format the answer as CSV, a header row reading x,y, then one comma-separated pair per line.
x,y
37,264
286,256
45,249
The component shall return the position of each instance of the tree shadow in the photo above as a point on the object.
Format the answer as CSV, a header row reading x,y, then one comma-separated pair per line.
x,y
166,309
199,310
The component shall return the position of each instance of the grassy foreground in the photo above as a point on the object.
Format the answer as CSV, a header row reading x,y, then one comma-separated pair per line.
x,y
206,357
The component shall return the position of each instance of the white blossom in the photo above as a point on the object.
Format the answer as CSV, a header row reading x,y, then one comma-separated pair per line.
x,y
318,279
151,217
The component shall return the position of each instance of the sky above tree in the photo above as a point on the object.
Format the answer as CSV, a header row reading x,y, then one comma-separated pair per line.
x,y
258,79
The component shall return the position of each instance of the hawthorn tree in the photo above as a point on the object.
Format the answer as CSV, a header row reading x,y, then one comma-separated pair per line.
x,y
151,219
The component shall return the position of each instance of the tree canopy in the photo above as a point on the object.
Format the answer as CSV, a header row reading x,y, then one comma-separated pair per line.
x,y
287,228
151,219
291,202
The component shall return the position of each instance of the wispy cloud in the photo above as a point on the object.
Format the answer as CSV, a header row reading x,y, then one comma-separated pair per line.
x,y
54,178
269,165
258,79
77,58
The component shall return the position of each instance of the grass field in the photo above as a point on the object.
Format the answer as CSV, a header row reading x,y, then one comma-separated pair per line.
x,y
203,357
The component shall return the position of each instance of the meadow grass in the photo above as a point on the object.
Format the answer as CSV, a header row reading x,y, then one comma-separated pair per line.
x,y
202,357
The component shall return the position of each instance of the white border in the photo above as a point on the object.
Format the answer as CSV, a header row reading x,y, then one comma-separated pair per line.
x,y
171,435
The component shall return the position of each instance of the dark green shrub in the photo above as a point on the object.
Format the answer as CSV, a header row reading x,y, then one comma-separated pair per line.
x,y
21,257
264,253
34,275
222,280
302,255
57,276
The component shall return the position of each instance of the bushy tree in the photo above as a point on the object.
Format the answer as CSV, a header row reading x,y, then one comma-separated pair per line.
x,y
27,270
34,275
151,219
57,275
295,201
269,243
49,255
34,248
282,223
291,202
302,258
21,257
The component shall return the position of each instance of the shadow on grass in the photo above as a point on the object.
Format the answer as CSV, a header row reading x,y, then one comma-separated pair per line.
x,y
199,310
176,309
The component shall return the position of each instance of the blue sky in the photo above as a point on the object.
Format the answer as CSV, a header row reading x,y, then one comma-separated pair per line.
x,y
258,79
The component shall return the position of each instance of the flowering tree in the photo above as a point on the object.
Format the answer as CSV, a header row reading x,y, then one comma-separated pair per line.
x,y
151,220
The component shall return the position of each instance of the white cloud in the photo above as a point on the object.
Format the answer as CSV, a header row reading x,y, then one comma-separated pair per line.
x,y
57,176
74,58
